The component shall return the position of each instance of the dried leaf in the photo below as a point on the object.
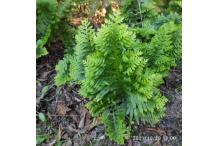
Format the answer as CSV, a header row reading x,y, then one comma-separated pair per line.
x,y
62,109
87,128
83,116
76,21
74,116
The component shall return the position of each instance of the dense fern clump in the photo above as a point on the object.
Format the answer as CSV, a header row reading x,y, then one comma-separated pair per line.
x,y
120,69
115,77
164,49
45,15
51,22
160,35
117,83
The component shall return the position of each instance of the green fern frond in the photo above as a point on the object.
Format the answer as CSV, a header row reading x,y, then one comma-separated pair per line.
x,y
64,71
84,45
115,125
40,44
52,15
45,12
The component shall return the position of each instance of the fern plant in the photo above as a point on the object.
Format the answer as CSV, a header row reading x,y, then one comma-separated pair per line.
x,y
121,74
45,15
162,42
161,37
113,77
164,49
51,22
118,85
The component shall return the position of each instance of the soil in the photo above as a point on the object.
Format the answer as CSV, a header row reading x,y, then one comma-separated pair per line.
x,y
68,122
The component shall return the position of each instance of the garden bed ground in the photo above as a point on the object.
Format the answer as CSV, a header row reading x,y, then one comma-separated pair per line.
x,y
69,123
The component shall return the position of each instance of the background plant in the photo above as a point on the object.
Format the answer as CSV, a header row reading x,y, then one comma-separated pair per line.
x,y
51,23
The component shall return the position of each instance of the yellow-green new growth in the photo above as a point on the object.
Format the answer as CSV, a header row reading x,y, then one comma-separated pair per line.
x,y
116,83
120,74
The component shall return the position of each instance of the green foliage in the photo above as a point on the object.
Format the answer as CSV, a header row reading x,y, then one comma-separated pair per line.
x,y
67,36
115,125
120,70
41,138
160,35
63,69
40,49
42,117
115,79
157,12
51,22
45,15
120,67
45,11
164,48
62,29
164,18
136,11
84,45
175,6
71,67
